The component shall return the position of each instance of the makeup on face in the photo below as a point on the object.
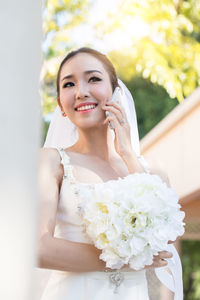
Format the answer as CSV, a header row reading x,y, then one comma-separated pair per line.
x,y
84,87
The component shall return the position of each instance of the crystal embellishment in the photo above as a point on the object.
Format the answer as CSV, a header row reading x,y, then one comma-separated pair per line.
x,y
116,278
76,191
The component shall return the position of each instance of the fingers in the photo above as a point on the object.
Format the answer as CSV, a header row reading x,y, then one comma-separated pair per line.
x,y
115,113
165,254
160,259
172,242
116,105
116,110
160,263
113,120
157,263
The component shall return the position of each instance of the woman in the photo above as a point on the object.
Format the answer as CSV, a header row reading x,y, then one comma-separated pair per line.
x,y
92,153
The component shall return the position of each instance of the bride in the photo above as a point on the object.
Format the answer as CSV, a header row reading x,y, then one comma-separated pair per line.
x,y
90,140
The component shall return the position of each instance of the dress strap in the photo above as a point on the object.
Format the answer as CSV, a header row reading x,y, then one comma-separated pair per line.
x,y
143,163
68,168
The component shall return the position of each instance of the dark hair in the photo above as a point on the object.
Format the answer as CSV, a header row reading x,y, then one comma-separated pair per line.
x,y
106,62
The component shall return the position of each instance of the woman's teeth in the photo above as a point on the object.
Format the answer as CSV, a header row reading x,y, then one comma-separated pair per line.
x,y
86,107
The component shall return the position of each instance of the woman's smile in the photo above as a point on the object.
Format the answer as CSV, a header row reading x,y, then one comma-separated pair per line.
x,y
86,107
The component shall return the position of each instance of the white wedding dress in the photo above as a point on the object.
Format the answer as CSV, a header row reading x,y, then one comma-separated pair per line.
x,y
89,285
58,285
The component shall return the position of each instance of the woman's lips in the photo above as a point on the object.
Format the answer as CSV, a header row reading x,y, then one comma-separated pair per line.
x,y
86,108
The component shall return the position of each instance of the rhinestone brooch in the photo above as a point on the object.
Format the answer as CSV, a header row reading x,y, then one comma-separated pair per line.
x,y
116,278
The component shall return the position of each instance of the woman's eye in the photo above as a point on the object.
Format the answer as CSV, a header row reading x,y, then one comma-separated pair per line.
x,y
93,79
68,84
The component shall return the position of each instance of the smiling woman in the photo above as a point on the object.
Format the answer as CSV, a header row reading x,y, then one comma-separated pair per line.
x,y
85,86
94,155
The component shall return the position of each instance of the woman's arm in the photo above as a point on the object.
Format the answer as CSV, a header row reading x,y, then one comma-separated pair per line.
x,y
133,164
123,144
57,253
60,254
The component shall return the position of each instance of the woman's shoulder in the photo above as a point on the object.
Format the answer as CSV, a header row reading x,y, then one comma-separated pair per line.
x,y
49,154
50,158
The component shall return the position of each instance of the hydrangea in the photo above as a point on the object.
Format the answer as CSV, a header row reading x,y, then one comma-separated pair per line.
x,y
131,219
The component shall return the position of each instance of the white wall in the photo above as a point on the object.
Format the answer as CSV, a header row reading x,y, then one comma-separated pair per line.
x,y
175,142
20,57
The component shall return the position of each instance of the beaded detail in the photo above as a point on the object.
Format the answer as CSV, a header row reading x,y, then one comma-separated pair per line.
x,y
68,169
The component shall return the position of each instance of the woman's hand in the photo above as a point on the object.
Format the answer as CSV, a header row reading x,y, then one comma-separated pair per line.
x,y
160,260
121,127
122,140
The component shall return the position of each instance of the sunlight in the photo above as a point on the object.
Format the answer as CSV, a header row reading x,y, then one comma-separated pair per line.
x,y
135,27
100,9
129,32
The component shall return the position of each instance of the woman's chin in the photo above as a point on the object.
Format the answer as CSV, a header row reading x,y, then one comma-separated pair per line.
x,y
91,125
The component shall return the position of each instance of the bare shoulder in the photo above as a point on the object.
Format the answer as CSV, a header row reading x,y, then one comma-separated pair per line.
x,y
49,154
49,159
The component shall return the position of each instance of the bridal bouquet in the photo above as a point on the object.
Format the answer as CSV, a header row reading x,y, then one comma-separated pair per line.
x,y
131,219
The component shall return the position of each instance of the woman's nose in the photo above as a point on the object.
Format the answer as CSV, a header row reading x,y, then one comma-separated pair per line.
x,y
82,91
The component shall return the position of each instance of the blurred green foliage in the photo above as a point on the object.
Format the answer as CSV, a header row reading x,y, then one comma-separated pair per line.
x,y
163,41
191,269
59,17
152,103
169,53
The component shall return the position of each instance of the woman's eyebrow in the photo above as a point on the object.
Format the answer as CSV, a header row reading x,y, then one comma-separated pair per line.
x,y
91,71
86,72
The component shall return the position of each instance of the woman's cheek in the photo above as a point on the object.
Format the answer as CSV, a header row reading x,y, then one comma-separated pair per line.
x,y
66,98
102,94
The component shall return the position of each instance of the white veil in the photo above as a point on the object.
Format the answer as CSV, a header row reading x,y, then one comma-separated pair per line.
x,y
63,133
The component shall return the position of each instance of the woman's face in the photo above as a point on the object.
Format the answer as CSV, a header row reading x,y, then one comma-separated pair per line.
x,y
84,87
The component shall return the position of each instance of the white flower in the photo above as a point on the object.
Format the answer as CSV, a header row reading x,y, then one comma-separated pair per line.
x,y
131,219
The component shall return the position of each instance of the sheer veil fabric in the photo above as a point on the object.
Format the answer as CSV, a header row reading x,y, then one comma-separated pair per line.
x,y
63,133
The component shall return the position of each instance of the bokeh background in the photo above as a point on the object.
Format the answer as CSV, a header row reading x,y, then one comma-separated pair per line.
x,y
155,48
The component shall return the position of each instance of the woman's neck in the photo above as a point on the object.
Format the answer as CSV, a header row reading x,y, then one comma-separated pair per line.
x,y
95,142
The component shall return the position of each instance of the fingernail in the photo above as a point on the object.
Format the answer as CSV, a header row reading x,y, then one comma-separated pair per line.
x,y
111,126
107,113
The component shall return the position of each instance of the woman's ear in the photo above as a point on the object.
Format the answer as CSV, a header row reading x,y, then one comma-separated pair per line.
x,y
62,111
